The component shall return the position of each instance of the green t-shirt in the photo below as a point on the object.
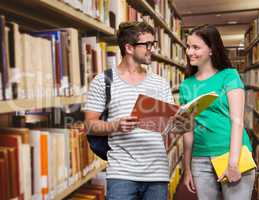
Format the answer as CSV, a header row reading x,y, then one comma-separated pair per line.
x,y
212,130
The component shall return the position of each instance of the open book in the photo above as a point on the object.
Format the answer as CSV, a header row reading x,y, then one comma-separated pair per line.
x,y
154,114
245,164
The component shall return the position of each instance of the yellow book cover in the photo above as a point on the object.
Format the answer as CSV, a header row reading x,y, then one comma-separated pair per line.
x,y
246,162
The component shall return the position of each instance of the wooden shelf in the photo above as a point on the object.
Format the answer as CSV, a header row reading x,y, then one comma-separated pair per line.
x,y
254,66
171,2
256,113
143,5
79,183
173,143
175,91
252,87
52,14
46,102
177,163
250,46
164,59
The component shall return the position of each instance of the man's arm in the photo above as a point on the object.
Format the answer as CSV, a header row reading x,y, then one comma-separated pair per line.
x,y
101,128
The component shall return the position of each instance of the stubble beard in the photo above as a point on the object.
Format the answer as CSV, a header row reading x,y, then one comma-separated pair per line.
x,y
146,60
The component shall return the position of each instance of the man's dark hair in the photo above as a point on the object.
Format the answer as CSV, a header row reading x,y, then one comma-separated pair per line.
x,y
129,32
211,36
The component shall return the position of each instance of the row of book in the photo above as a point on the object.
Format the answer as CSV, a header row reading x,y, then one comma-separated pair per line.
x,y
171,73
56,68
174,181
168,48
251,77
100,10
49,62
112,12
255,55
41,163
165,10
88,192
252,105
253,31
175,153
237,58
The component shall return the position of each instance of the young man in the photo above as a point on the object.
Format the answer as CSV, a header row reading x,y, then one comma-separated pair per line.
x,y
137,162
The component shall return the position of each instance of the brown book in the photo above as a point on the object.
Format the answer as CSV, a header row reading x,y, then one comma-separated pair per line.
x,y
12,172
4,177
23,132
13,141
154,114
3,180
93,191
12,57
3,59
65,62
94,63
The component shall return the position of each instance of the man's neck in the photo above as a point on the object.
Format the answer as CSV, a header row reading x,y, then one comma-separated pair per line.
x,y
131,72
129,66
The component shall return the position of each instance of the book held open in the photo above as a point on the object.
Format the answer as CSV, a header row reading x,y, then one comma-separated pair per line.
x,y
155,114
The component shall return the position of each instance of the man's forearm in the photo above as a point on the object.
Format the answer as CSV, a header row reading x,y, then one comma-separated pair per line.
x,y
100,127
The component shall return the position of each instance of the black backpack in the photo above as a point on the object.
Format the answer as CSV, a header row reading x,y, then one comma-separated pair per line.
x,y
99,144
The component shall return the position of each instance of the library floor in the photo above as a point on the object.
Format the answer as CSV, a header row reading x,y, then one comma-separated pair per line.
x,y
183,194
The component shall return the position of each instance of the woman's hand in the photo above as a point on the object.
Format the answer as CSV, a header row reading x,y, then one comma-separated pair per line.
x,y
183,123
188,181
232,173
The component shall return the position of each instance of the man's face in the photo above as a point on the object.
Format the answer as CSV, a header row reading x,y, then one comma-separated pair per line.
x,y
143,49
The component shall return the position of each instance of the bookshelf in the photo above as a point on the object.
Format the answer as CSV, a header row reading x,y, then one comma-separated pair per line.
x,y
251,80
38,103
41,11
253,66
252,87
171,3
251,44
164,59
53,13
36,15
80,182
176,139
145,7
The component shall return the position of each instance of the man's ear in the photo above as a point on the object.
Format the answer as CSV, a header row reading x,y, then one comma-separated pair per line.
x,y
129,49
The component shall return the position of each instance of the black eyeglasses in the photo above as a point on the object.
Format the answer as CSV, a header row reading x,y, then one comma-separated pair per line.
x,y
149,45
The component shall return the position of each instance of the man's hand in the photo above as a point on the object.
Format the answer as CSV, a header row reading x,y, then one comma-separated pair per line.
x,y
182,123
126,124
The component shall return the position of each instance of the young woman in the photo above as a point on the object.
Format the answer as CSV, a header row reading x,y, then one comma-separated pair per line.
x,y
219,128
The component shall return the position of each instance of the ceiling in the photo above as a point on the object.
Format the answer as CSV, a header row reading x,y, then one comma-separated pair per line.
x,y
232,17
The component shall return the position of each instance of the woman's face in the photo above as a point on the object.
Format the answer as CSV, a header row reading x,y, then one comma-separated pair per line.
x,y
198,51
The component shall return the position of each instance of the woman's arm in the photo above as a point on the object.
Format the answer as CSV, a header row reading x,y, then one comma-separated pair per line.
x,y
236,100
187,142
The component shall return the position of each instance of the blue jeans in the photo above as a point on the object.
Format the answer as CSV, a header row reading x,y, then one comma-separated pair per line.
x,y
136,190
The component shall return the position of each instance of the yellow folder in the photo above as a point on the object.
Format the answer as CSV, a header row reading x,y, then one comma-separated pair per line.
x,y
246,162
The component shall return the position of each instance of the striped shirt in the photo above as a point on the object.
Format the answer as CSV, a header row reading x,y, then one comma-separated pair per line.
x,y
139,155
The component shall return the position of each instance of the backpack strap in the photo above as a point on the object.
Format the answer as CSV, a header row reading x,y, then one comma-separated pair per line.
x,y
108,78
